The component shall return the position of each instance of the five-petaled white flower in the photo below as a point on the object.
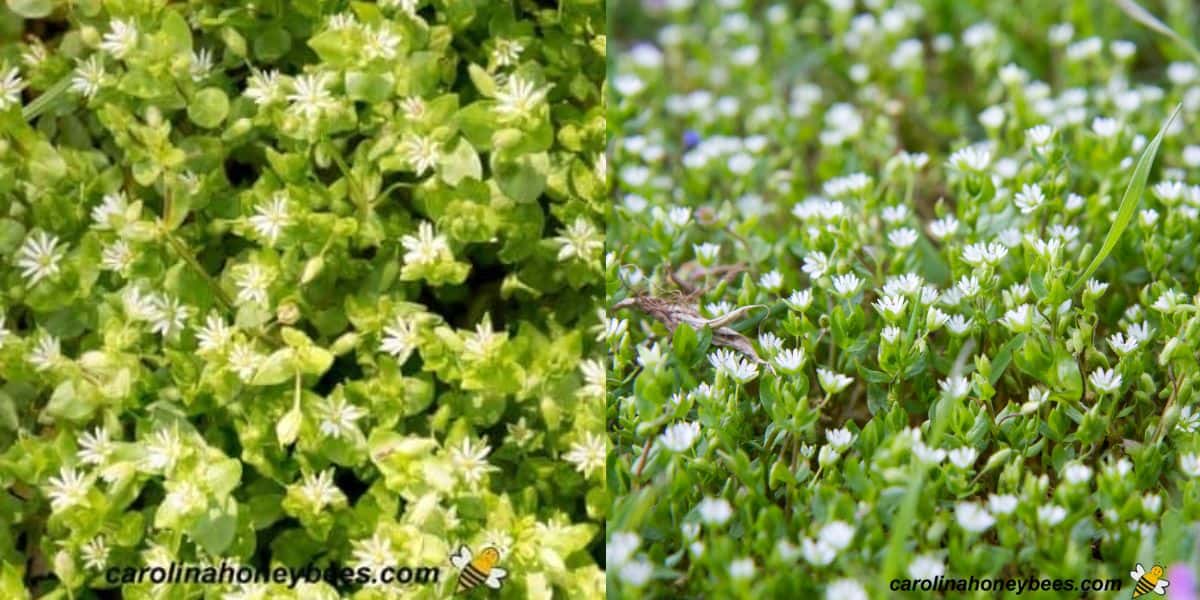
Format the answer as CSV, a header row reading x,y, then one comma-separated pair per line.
x,y
89,76
252,280
831,381
518,98
714,511
121,39
39,257
271,217
338,417
1105,380
470,460
580,240
68,489
11,85
400,338
588,454
973,517
309,98
422,151
679,437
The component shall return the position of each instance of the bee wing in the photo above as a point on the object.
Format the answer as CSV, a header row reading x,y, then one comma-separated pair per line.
x,y
1161,587
1137,573
461,558
494,577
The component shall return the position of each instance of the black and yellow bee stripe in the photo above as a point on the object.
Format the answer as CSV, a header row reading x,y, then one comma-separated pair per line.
x,y
1144,586
470,578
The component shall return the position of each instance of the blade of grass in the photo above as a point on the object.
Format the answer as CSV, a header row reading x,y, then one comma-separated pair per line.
x,y
1129,202
42,102
1143,16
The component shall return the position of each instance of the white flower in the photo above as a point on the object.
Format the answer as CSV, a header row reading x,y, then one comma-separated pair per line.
x,y
771,281
1152,503
681,436
425,248
214,334
168,315
836,534
903,238
88,77
840,438
970,160
1096,288
943,228
891,307
588,454
1168,301
1030,198
890,334
1002,504
46,352
1122,344
121,39
1039,136
94,553
620,547
11,85
244,360
271,217
1019,319
423,152
580,240
380,43
800,300
309,98
816,264
992,117
956,388
95,446
1105,380
1076,473
636,572
319,490
117,256
338,417
846,589
252,280
1051,514
506,53
399,339
980,254
4,332
963,457
202,65
374,553
958,324
926,566
714,511
68,489
518,98
264,87
1189,420
742,568
1105,127
846,285
817,553
39,257
973,517
833,382
1140,332
925,454
790,360
1190,464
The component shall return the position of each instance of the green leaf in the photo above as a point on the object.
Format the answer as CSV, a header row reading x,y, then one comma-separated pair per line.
x,y
276,369
31,9
1129,202
1136,12
209,107
288,428
460,163
177,32
215,529
369,87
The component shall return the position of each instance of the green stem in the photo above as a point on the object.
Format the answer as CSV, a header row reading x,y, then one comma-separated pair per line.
x,y
180,249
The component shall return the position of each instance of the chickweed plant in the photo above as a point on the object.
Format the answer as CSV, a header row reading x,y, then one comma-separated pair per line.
x,y
297,283
901,290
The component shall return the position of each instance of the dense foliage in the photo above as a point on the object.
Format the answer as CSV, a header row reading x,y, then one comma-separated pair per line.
x,y
300,282
901,289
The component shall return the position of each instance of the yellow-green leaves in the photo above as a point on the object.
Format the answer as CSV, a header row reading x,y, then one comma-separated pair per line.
x,y
208,108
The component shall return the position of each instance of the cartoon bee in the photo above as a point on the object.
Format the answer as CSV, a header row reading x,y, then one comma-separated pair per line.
x,y
1149,581
477,570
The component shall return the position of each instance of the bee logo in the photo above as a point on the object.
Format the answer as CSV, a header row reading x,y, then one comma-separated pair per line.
x,y
477,570
1149,581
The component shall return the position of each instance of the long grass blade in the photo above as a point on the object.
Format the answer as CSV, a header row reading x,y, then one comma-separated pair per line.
x,y
1136,12
1129,201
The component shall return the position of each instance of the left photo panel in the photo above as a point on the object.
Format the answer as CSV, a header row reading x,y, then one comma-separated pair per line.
x,y
302,299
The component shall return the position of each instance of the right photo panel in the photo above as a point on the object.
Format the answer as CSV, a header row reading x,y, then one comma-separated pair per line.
x,y
902,299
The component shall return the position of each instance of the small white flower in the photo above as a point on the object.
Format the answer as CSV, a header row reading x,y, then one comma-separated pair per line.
x,y
244,360
681,436
840,438
963,457
1076,473
836,534
1030,198
958,324
95,446
1039,136
1002,504
264,87
507,52
970,160
202,65
1105,380
891,307
846,589
980,254
1190,464
320,490
973,517
121,38
381,43
11,85
400,339
790,360
1105,127
817,553
833,382
425,248
771,281
956,388
903,238
636,573
890,334
88,77
816,264
309,98
271,217
925,454
621,546
423,152
68,489
714,511
46,352
992,117
800,300
338,418
1051,514
742,568
252,280
1122,344
39,257
846,285
926,566
214,334
94,553
1189,420
943,228
169,315
518,98
588,454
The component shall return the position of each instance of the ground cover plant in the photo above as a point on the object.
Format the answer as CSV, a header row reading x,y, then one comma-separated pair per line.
x,y
300,282
901,290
